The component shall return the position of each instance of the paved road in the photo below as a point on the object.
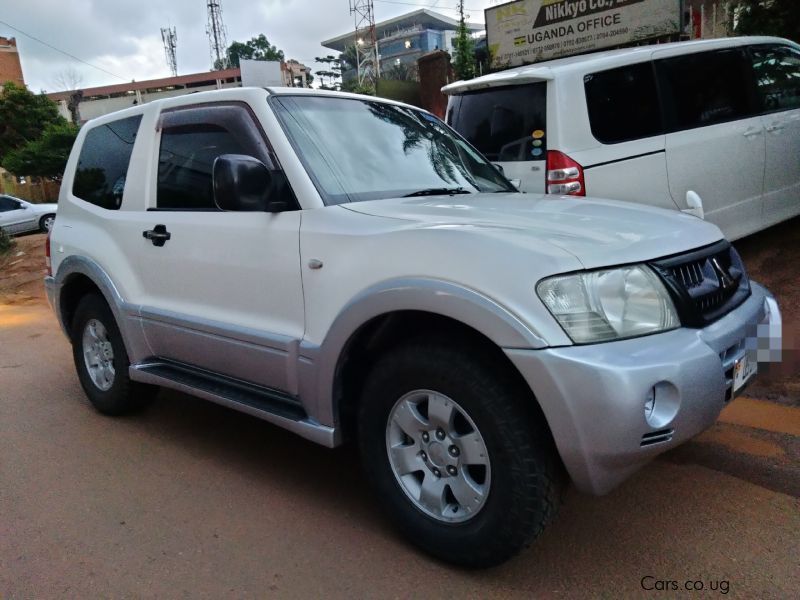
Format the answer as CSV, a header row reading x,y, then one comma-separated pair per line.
x,y
189,499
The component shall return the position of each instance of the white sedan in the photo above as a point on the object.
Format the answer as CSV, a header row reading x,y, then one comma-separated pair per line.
x,y
19,216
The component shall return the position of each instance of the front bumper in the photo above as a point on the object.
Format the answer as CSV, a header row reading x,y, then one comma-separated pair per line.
x,y
594,396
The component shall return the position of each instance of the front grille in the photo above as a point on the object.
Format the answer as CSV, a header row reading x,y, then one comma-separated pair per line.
x,y
705,284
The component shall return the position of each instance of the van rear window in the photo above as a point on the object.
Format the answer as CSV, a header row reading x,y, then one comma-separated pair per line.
x,y
505,123
623,104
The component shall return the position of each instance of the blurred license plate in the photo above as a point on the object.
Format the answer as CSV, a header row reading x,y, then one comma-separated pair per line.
x,y
743,370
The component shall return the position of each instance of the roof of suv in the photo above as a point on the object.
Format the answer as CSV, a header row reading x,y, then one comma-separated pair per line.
x,y
228,94
548,69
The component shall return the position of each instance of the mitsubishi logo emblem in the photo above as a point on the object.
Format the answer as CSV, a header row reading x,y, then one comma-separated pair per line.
x,y
725,279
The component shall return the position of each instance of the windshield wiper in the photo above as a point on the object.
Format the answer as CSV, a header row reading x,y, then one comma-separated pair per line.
x,y
438,192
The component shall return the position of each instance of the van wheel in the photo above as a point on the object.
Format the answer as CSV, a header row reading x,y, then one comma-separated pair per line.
x,y
46,223
465,469
102,362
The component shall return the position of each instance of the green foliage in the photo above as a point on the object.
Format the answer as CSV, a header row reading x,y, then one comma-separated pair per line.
x,y
257,48
352,86
23,117
463,48
45,156
6,242
769,17
403,91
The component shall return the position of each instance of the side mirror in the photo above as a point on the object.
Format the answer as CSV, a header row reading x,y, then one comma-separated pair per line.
x,y
500,168
243,183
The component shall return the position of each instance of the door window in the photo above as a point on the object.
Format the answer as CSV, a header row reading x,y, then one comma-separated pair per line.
x,y
506,124
7,204
705,88
103,163
623,103
191,139
777,74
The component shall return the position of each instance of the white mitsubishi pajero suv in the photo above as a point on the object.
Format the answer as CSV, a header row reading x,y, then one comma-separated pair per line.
x,y
351,269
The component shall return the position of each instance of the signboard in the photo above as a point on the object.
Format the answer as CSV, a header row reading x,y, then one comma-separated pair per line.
x,y
529,31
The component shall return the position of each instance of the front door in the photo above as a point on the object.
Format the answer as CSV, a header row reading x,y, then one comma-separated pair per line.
x,y
715,139
223,292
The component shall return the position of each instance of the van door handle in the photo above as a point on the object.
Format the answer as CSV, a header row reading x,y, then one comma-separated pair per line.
x,y
158,235
752,131
775,127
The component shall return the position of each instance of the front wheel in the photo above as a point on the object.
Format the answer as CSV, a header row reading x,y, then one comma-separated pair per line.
x,y
463,462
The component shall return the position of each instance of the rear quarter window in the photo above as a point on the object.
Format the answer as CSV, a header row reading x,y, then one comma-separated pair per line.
x,y
777,73
103,163
505,124
623,104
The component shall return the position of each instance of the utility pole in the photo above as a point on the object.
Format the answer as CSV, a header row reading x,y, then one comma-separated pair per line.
x,y
368,59
217,38
170,39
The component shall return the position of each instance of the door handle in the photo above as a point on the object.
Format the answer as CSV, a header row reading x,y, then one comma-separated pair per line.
x,y
752,131
158,235
775,127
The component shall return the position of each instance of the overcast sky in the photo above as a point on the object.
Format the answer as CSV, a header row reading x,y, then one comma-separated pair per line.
x,y
123,36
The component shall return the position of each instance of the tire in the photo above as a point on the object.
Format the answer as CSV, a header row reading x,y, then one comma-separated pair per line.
x,y
46,223
523,480
110,391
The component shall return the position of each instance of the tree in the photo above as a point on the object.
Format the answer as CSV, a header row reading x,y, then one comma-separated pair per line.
x,y
463,47
257,48
768,17
333,72
23,117
45,156
67,80
349,58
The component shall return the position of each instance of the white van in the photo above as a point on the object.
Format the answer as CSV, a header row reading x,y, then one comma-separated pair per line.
x,y
708,127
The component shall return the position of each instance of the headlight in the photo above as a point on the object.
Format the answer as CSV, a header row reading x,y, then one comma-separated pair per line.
x,y
608,305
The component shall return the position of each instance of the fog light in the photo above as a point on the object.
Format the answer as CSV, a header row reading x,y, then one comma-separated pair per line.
x,y
661,404
650,406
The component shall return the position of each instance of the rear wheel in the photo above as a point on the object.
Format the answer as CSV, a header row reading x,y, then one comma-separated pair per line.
x,y
464,464
102,361
46,223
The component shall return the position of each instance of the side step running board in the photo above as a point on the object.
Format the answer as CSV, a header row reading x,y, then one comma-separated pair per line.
x,y
270,405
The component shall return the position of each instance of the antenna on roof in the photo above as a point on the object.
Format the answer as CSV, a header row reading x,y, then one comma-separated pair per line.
x,y
217,36
367,56
170,39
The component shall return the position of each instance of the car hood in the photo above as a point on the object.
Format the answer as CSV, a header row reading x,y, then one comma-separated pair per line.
x,y
597,232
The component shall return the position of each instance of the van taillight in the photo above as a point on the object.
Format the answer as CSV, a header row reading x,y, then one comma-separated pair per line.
x,y
47,254
564,175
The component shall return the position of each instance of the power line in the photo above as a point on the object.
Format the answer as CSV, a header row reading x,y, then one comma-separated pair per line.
x,y
72,56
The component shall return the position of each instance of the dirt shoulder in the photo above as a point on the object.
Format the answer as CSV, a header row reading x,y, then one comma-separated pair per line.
x,y
22,271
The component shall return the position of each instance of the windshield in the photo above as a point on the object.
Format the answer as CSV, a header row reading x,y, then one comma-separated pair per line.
x,y
358,150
